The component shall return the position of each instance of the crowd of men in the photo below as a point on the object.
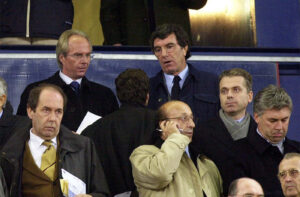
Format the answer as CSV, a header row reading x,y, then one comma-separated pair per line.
x,y
182,132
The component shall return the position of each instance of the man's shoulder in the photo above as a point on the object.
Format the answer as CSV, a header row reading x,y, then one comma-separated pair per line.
x,y
293,145
52,80
72,140
96,87
200,74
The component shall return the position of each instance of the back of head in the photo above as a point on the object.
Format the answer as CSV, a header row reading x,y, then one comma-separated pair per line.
x,y
132,87
165,30
3,90
238,72
62,46
271,97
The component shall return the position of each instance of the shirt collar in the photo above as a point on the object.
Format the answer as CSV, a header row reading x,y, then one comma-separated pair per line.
x,y
67,79
279,145
169,78
37,141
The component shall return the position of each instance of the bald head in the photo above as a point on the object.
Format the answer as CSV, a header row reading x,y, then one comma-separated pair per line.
x,y
245,186
169,108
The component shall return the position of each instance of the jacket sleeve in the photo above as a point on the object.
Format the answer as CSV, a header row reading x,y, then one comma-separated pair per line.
x,y
110,20
98,185
193,4
154,168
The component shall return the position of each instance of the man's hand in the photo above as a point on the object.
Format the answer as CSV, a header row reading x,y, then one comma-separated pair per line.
x,y
83,195
168,127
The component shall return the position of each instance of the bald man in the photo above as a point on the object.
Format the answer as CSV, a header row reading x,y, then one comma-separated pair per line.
x,y
245,187
288,175
168,169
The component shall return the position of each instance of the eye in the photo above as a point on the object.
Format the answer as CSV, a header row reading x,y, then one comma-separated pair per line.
x,y
224,91
59,112
46,110
78,55
236,90
157,50
294,172
282,174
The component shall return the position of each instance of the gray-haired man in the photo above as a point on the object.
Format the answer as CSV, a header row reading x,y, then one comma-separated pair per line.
x,y
262,151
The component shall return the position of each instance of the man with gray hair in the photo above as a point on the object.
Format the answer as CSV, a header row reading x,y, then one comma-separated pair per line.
x,y
288,175
73,54
261,152
7,120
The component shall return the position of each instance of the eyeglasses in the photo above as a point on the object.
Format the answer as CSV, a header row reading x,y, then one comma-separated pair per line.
x,y
184,119
169,49
79,56
292,172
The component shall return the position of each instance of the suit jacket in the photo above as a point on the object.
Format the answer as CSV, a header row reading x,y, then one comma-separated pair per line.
x,y
77,155
199,91
131,22
212,139
7,124
94,97
259,160
116,136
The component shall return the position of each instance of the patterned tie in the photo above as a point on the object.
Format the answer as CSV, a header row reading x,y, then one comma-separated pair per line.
x,y
49,160
176,88
75,86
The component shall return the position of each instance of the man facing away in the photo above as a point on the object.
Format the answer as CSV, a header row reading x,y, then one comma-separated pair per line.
x,y
245,187
261,152
215,138
120,132
42,158
73,54
288,175
167,168
179,80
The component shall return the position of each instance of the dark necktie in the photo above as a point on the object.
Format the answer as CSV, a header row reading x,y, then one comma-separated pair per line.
x,y
75,86
176,88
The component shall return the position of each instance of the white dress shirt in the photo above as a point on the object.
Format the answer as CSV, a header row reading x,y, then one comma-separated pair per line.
x,y
67,79
37,148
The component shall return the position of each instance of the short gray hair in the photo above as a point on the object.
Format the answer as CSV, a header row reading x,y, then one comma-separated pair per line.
x,y
3,88
271,97
291,155
62,46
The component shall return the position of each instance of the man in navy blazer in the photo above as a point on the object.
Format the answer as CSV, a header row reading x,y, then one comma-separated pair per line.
x,y
73,54
199,89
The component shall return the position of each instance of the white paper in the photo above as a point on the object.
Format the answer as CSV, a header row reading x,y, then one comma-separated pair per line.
x,y
76,186
89,119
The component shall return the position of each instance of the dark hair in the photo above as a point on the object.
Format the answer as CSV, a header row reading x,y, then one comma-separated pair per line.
x,y
132,86
165,30
238,72
35,93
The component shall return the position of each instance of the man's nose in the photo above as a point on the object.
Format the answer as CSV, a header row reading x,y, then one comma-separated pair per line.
x,y
164,52
279,125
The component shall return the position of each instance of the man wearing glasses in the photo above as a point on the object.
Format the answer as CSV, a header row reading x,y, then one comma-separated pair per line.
x,y
261,152
167,168
73,53
288,174
179,80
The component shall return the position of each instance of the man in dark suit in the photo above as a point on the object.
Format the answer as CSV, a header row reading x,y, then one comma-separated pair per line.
x,y
131,22
178,80
73,53
261,152
7,119
119,133
43,158
215,138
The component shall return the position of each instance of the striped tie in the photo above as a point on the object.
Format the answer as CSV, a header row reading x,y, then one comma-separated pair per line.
x,y
49,160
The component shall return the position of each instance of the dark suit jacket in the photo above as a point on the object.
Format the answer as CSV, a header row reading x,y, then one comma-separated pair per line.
x,y
199,91
259,160
94,97
116,136
7,124
212,139
77,155
131,22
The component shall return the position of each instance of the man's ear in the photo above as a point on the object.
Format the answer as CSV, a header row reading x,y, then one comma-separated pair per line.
x,y
256,117
29,112
185,50
2,101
